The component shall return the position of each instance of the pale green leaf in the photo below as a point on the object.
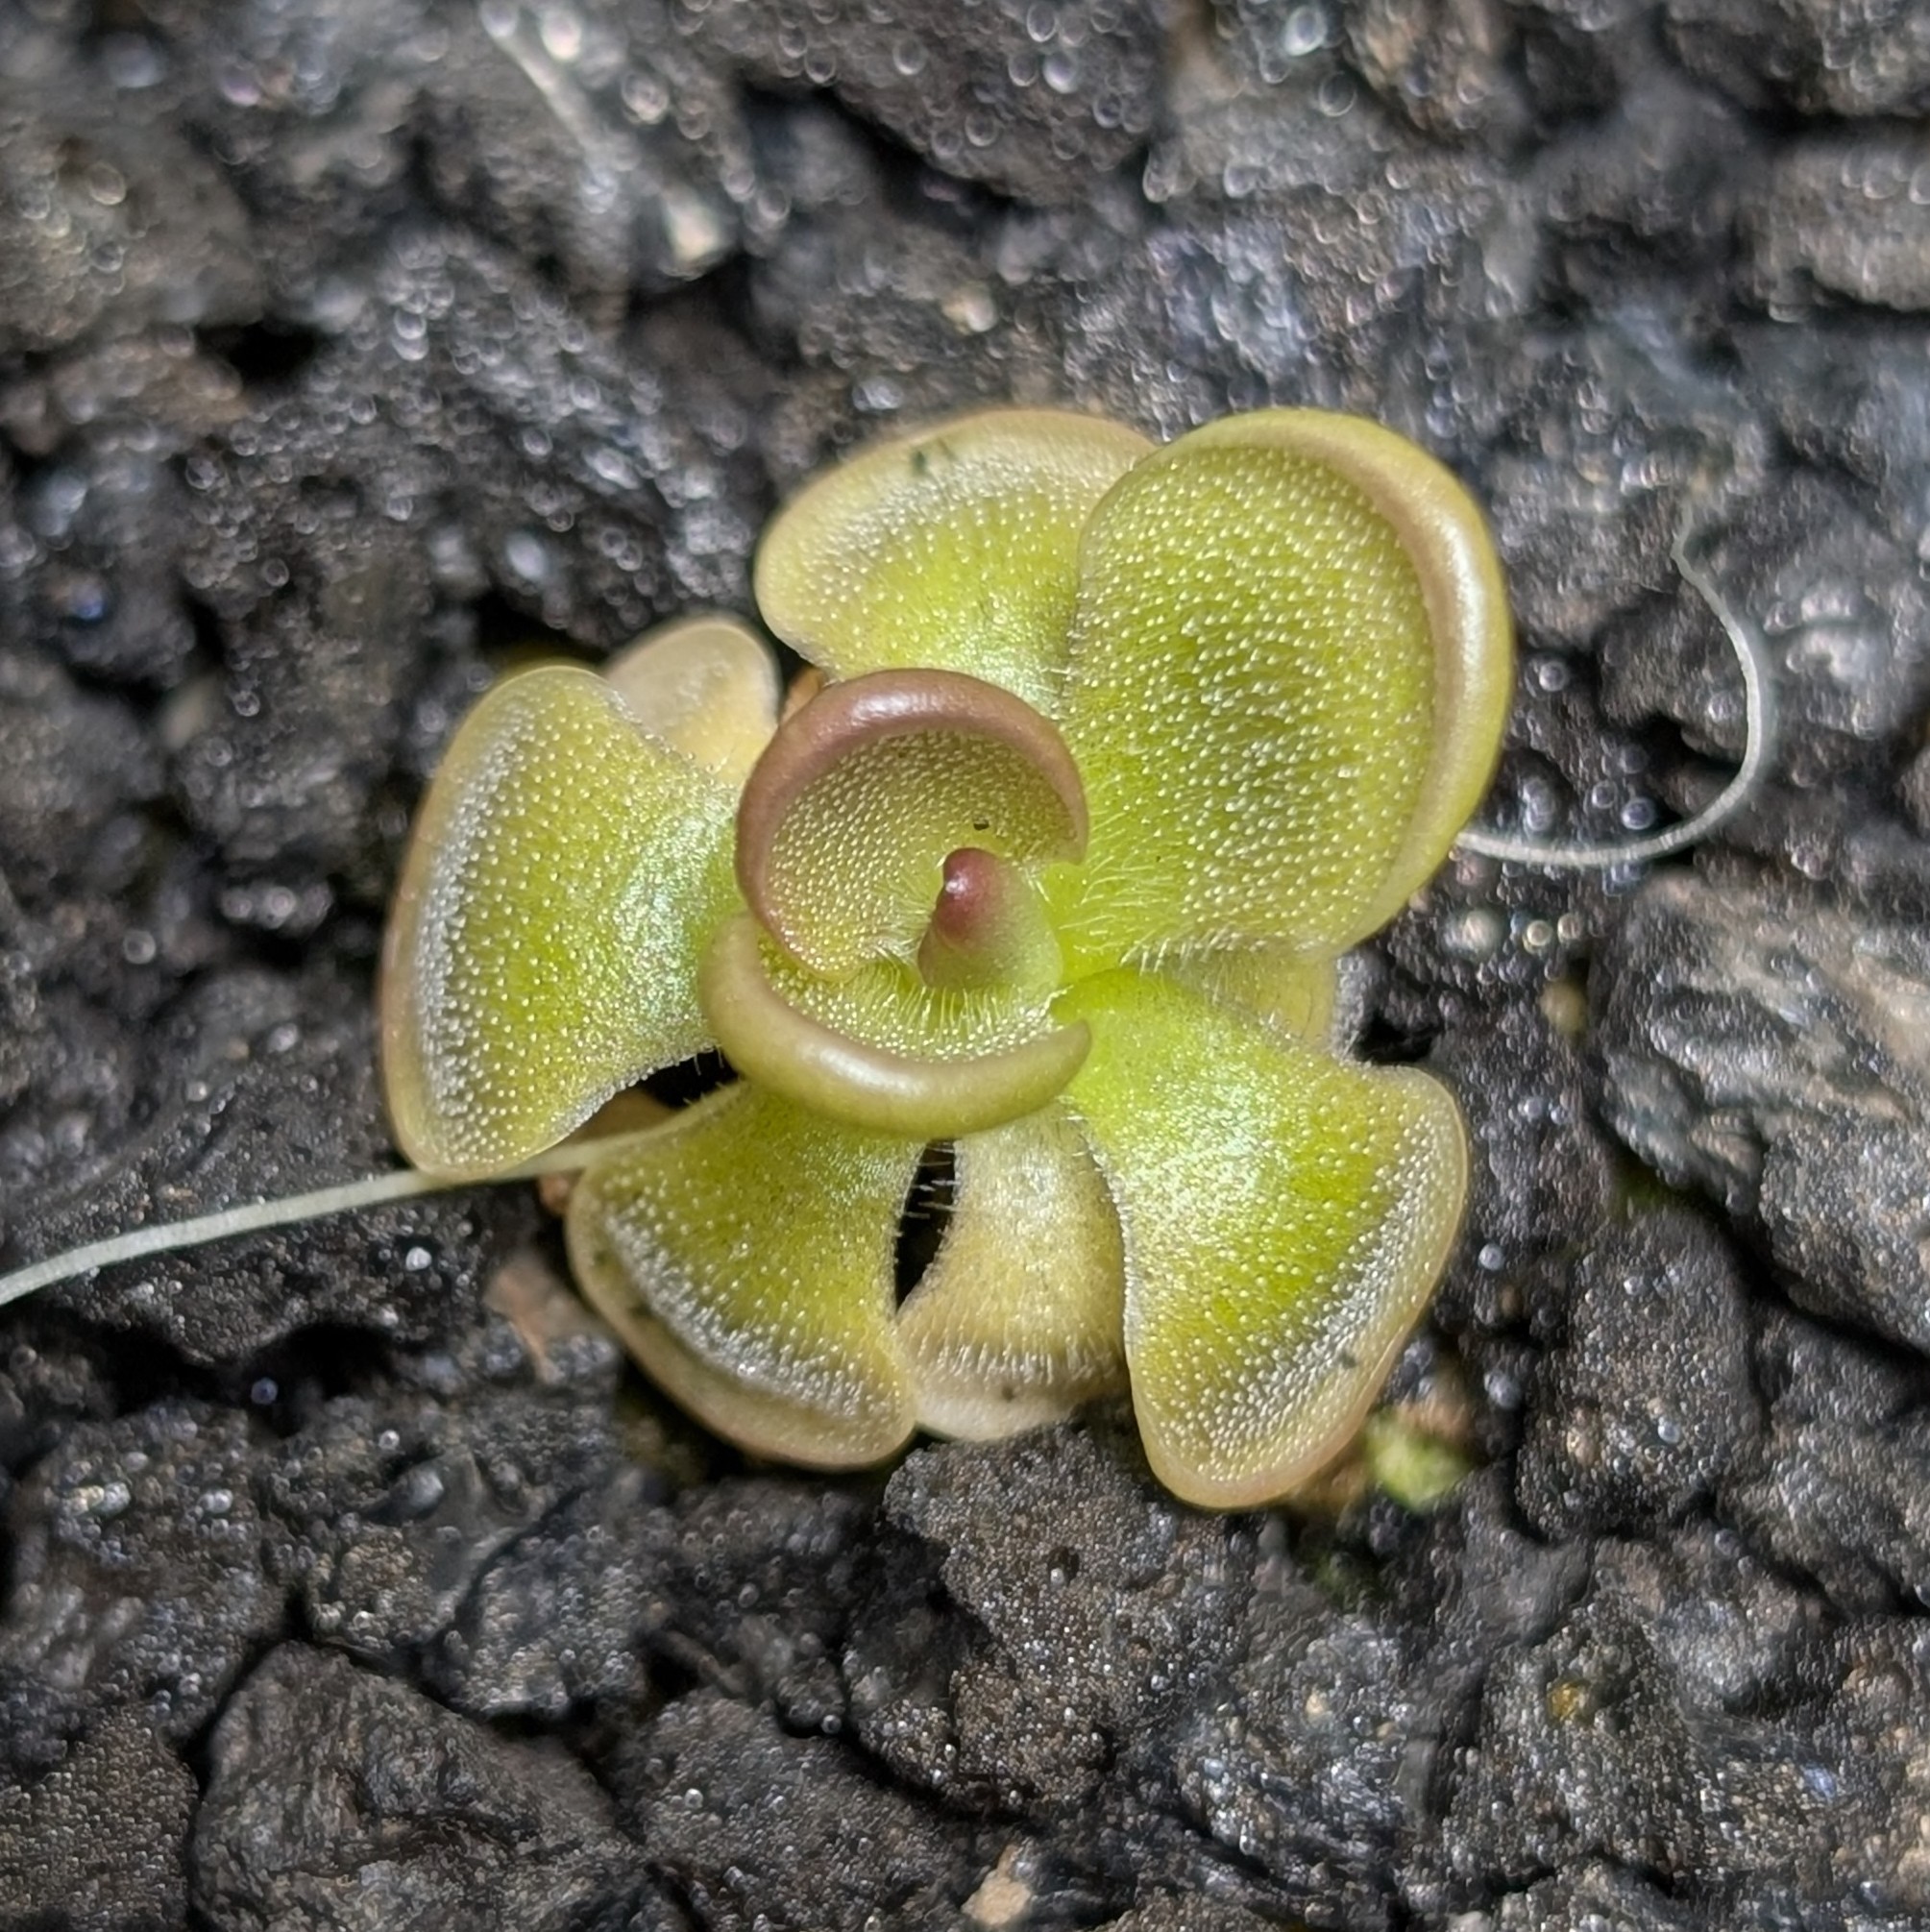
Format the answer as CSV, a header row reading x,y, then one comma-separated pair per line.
x,y
1018,1320
1297,992
1285,1216
707,686
888,1006
952,549
1290,665
543,943
744,1252
934,1096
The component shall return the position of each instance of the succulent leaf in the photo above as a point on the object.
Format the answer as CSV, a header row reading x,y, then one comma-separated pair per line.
x,y
1268,983
891,1007
1017,1321
543,943
1470,635
745,1253
705,686
848,818
780,1046
1284,1216
1259,702
955,547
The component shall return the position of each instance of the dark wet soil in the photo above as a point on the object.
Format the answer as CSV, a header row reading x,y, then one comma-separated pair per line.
x,y
346,1576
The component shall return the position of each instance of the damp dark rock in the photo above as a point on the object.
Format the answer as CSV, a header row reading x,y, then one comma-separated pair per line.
x,y
1726,1617
288,808
555,1622
1766,1048
462,392
746,1587
1472,1582
90,554
1543,1176
1688,1713
1050,1669
1169,1912
601,138
1081,1626
752,1589
311,111
50,1383
111,221
398,1812
962,313
1587,1742
395,1511
1838,217
1032,101
1581,55
1835,605
258,1085
1834,1488
1589,501
1637,194
1807,55
1645,1401
100,1843
75,761
1599,1893
1447,68
1309,1761
140,1574
1246,177
1862,1778
1852,393
756,1827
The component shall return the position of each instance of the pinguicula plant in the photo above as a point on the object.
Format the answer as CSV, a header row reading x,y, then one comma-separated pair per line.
x,y
1116,750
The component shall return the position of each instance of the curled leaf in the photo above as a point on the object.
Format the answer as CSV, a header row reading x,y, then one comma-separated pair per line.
x,y
896,1009
780,1046
850,816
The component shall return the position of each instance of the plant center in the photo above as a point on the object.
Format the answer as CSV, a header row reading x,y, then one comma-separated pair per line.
x,y
988,928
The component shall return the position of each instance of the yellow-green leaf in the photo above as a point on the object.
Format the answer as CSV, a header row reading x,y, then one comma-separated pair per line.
x,y
1017,1321
705,686
1285,1216
786,1048
543,943
1290,666
953,548
1271,983
889,1007
745,1253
